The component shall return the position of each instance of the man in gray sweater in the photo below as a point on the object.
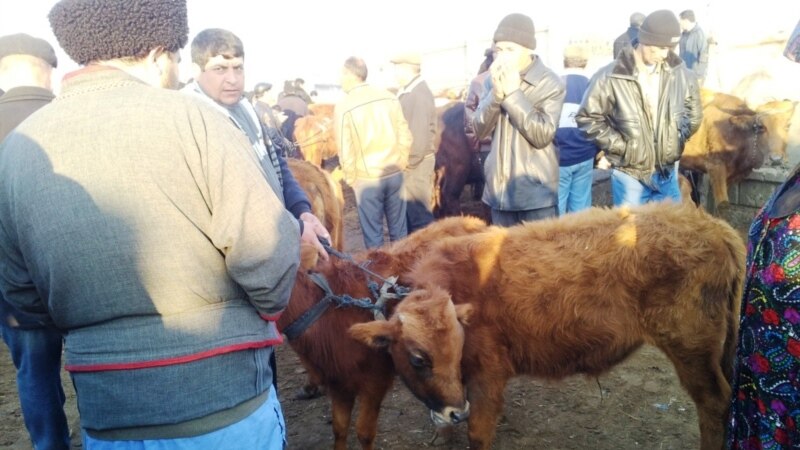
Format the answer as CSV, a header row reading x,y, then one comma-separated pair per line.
x,y
138,220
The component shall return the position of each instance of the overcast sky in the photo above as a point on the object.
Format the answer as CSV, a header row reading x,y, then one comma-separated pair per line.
x,y
286,39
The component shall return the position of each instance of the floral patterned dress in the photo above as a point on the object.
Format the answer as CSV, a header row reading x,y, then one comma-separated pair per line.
x,y
765,405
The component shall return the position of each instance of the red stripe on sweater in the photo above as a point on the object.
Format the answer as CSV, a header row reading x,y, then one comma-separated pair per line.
x,y
173,361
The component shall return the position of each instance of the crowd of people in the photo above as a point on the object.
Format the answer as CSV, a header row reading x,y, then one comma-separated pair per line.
x,y
153,234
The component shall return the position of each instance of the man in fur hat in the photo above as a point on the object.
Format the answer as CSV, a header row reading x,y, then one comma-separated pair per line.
x,y
522,111
139,221
641,109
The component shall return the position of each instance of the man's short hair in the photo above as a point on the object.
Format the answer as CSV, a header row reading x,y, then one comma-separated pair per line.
x,y
687,15
213,42
357,67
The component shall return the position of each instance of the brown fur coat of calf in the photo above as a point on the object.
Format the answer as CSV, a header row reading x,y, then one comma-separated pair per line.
x,y
349,370
325,195
578,295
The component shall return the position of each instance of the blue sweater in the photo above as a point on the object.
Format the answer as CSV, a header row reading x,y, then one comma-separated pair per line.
x,y
572,143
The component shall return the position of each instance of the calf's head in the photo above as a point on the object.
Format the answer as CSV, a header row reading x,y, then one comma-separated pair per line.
x,y
775,118
425,337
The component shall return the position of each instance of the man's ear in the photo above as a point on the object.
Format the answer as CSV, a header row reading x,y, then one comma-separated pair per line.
x,y
196,71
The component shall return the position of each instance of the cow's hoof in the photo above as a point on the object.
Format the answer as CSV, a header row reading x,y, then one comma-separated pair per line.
x,y
309,392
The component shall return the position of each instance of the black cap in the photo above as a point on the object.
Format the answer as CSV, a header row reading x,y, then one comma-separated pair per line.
x,y
24,44
517,28
660,29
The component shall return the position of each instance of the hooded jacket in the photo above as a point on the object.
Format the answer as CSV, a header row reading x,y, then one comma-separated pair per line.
x,y
613,114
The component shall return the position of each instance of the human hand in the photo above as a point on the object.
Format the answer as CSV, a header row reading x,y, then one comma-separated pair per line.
x,y
312,231
603,163
495,72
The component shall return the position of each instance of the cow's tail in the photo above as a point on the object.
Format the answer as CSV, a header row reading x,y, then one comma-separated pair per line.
x,y
735,286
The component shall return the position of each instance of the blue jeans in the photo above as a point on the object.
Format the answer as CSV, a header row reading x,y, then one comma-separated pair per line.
x,y
511,218
264,429
376,199
629,191
575,187
37,356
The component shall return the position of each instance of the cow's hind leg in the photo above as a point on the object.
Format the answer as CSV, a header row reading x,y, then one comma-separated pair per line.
x,y
341,412
369,406
701,375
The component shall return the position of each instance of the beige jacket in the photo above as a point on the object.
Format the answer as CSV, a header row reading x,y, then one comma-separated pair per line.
x,y
372,133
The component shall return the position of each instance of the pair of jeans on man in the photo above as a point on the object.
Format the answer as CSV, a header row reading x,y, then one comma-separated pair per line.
x,y
627,190
36,353
376,199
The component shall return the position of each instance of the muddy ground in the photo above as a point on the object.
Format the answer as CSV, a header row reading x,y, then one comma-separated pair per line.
x,y
638,405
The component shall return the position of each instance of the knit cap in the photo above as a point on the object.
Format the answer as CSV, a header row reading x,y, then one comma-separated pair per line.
x,y
660,29
98,30
517,28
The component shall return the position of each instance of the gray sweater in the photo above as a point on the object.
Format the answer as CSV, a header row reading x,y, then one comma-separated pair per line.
x,y
131,218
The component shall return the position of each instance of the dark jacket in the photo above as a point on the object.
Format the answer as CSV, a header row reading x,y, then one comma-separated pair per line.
x,y
614,116
522,168
694,51
573,145
477,89
19,103
419,110
627,39
15,106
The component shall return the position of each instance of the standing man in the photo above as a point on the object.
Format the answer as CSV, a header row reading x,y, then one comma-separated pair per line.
x,y
218,62
576,152
419,111
522,109
641,109
26,66
693,46
631,35
138,220
374,144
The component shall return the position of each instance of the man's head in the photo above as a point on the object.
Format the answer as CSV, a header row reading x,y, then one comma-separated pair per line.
x,y
354,73
636,19
659,34
218,64
142,36
687,20
514,41
299,83
262,92
406,67
26,61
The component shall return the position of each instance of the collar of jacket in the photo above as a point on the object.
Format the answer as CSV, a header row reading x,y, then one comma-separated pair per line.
x,y
625,65
22,93
535,71
410,86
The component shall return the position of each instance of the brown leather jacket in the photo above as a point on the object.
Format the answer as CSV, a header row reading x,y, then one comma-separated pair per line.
x,y
522,168
614,116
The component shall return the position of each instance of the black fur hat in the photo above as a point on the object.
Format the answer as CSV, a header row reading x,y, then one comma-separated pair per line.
x,y
97,30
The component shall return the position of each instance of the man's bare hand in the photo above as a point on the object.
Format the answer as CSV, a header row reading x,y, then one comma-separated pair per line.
x,y
312,231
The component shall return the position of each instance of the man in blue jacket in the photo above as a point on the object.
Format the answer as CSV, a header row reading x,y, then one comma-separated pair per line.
x,y
576,151
693,46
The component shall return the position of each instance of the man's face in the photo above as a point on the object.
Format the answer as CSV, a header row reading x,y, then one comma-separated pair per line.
x,y
222,79
652,54
685,25
513,55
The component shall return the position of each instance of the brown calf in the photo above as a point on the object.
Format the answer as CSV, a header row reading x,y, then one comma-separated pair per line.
x,y
575,295
349,370
325,195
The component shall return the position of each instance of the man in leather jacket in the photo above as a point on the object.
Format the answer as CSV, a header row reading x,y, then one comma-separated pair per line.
x,y
522,111
641,109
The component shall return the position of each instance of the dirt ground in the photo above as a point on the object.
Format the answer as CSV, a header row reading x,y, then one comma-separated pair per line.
x,y
638,405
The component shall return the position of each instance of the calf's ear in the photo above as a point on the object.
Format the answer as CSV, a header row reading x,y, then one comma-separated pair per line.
x,y
376,334
464,313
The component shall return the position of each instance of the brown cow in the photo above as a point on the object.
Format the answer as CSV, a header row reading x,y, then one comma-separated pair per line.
x,y
325,195
574,295
346,368
733,140
313,134
456,163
